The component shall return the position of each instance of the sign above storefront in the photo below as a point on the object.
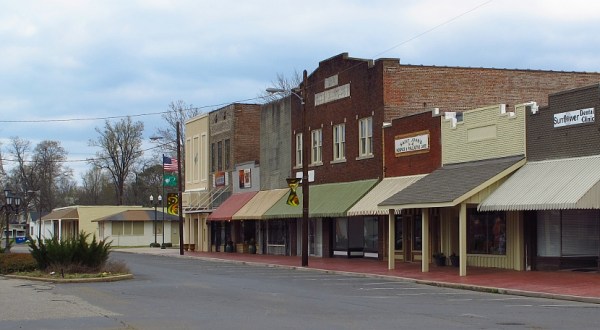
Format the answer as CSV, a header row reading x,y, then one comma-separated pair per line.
x,y
575,117
412,143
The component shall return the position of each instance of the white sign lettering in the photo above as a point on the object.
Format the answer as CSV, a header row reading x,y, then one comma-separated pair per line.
x,y
412,144
575,117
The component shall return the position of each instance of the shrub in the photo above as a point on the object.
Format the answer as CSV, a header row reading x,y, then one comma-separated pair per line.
x,y
71,254
16,262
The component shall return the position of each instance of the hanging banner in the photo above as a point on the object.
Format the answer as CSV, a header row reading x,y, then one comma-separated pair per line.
x,y
293,199
173,203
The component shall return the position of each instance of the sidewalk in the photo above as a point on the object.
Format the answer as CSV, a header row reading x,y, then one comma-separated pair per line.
x,y
565,285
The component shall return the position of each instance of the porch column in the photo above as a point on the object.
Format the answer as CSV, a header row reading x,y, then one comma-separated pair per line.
x,y
425,240
391,240
462,239
59,229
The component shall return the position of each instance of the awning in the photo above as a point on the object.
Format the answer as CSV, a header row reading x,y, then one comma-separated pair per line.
x,y
326,200
571,183
259,204
384,189
452,184
230,206
62,213
138,215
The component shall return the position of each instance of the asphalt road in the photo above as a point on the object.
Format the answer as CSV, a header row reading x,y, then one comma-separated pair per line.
x,y
183,293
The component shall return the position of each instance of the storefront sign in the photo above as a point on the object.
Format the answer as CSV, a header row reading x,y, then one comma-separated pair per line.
x,y
411,143
220,180
576,117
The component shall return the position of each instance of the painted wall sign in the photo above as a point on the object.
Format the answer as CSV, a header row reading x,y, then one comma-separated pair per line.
x,y
336,93
575,117
412,143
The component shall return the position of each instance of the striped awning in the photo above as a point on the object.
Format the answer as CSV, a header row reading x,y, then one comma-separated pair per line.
x,y
559,184
230,206
384,189
326,200
259,204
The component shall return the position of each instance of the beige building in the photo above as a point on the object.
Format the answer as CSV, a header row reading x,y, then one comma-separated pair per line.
x,y
480,149
196,197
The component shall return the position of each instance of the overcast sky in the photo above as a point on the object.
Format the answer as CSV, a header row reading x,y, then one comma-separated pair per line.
x,y
96,59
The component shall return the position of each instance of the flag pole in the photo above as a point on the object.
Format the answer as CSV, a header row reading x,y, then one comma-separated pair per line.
x,y
163,204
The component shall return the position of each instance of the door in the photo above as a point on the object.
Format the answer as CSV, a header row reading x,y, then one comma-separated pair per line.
x,y
412,235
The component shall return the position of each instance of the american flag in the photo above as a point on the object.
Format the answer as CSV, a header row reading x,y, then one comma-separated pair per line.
x,y
169,164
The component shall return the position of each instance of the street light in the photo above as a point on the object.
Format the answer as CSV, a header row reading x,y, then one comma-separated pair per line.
x,y
10,204
305,154
155,204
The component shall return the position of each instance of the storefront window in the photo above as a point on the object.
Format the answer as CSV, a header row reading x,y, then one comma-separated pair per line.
x,y
371,233
486,232
398,233
417,233
341,233
276,232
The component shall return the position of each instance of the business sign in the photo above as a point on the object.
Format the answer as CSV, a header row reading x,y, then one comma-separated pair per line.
x,y
412,143
220,179
575,117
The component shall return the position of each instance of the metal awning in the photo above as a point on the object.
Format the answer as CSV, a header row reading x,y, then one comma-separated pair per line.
x,y
138,215
384,189
259,204
559,184
62,213
230,206
452,184
326,200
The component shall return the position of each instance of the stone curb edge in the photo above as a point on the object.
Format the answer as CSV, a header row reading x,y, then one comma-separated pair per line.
x,y
74,280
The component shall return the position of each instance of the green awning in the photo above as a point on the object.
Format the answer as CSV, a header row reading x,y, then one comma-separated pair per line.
x,y
326,200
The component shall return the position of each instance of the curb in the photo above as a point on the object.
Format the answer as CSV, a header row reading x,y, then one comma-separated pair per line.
x,y
74,280
470,287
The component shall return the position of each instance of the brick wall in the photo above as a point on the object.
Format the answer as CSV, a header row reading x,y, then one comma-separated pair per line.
x,y
246,141
413,163
544,141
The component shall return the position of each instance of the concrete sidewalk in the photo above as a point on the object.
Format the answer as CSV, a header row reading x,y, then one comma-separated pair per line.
x,y
583,286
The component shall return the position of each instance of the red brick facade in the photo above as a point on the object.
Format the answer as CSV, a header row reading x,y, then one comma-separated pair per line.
x,y
385,89
413,163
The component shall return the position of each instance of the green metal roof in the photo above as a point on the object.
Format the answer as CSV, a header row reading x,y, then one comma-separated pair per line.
x,y
326,200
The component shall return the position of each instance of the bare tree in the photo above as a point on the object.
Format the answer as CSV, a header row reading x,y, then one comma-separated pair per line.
x,y
179,112
121,148
281,82
41,169
95,184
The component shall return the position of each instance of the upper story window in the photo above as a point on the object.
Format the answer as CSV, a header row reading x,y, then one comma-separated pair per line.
x,y
317,146
299,149
365,131
213,157
227,154
339,142
220,155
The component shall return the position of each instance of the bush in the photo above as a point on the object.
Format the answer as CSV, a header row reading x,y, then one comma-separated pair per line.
x,y
16,262
71,254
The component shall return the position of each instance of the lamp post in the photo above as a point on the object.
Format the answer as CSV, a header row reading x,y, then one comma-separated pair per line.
x,y
10,204
155,204
155,140
305,155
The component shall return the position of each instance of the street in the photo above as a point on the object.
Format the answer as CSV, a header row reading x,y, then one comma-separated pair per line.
x,y
184,293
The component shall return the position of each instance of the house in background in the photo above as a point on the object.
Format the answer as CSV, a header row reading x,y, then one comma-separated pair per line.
x,y
67,222
138,227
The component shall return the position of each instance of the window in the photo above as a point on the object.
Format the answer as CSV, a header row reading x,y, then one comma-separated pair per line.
x,y
341,234
213,157
299,149
486,232
219,155
317,146
365,131
339,142
227,151
127,228
398,232
371,231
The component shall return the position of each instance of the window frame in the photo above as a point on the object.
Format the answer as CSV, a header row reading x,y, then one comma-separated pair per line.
x,y
339,142
316,150
365,137
299,148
